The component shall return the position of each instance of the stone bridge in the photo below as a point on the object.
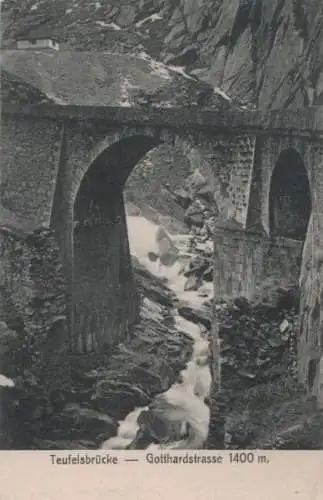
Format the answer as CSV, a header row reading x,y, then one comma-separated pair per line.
x,y
64,167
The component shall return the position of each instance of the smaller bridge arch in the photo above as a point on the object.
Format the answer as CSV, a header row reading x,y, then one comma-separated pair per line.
x,y
290,200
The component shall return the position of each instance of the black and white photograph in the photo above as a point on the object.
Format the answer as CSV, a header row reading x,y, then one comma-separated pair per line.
x,y
161,225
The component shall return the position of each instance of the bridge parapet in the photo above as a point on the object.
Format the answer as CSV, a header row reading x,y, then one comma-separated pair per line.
x,y
301,122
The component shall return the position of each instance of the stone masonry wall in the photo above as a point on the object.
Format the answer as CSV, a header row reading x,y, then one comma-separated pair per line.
x,y
30,155
242,260
241,168
238,262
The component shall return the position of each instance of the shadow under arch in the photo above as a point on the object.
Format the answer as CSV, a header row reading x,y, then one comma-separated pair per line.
x,y
290,201
104,296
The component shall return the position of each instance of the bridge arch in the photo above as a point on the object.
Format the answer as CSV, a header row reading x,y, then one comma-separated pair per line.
x,y
290,200
115,153
104,298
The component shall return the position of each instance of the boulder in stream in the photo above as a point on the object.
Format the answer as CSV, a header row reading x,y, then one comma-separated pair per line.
x,y
196,315
182,197
168,252
152,256
197,266
195,182
192,283
153,377
88,422
155,427
118,398
194,215
208,274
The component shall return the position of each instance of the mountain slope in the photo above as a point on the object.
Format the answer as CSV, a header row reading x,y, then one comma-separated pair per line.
x,y
104,78
266,53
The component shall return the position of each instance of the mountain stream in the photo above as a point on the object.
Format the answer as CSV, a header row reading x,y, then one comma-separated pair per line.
x,y
183,404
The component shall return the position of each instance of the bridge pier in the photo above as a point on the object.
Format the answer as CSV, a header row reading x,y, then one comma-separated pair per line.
x,y
244,259
104,296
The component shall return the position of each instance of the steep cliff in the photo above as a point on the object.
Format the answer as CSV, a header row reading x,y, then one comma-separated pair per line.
x,y
311,313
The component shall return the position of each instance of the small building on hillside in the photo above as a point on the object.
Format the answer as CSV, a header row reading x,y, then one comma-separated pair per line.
x,y
37,40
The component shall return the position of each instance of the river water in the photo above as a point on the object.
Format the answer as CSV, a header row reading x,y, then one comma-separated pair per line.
x,y
184,402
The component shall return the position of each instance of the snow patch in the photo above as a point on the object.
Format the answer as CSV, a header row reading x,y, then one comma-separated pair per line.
x,y
5,381
222,94
112,26
35,6
152,18
181,71
158,68
162,69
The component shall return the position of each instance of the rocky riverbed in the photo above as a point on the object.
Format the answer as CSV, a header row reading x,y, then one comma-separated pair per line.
x,y
178,417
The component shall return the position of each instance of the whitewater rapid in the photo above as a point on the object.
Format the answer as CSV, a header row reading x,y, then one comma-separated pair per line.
x,y
184,401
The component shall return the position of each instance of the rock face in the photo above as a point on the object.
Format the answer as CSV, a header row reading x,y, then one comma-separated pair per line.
x,y
311,337
260,402
33,333
32,303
